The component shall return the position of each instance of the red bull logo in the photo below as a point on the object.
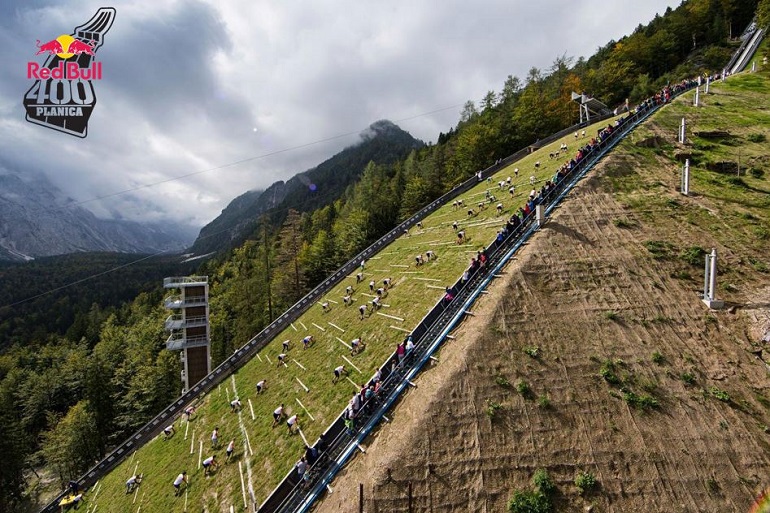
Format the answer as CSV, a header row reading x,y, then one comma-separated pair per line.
x,y
70,71
65,48
63,97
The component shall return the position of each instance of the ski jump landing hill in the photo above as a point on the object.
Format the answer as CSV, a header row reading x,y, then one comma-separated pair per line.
x,y
340,443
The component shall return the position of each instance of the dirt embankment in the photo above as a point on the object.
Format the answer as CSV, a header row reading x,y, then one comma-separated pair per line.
x,y
585,291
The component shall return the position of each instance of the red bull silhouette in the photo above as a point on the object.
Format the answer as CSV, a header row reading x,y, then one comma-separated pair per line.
x,y
53,47
77,47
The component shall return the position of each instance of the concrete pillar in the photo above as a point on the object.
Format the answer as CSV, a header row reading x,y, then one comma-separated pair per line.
x,y
685,188
682,131
710,282
539,215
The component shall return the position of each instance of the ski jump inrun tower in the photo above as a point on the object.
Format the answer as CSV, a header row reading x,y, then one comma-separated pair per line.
x,y
189,326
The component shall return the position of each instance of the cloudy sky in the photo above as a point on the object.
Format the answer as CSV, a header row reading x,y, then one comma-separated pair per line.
x,y
237,94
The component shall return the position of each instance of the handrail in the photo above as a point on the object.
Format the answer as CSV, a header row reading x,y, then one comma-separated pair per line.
x,y
751,45
182,280
747,35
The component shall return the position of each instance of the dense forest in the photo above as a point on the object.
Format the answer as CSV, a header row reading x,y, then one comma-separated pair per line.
x,y
73,294
72,387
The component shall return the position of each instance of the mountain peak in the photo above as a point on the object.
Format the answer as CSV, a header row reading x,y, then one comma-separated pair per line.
x,y
382,127
383,142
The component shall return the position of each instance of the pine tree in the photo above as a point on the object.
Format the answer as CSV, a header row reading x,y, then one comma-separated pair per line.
x,y
288,277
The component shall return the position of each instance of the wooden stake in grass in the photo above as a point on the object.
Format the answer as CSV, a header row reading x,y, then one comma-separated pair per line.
x,y
192,442
302,385
319,327
259,357
200,454
293,327
300,365
352,382
185,498
243,486
307,412
97,489
400,329
248,441
268,360
400,265
351,364
428,279
332,301
303,325
435,287
335,326
390,316
302,435
136,494
252,410
344,343
186,428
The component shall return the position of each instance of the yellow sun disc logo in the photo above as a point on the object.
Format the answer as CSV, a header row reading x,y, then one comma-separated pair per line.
x,y
65,41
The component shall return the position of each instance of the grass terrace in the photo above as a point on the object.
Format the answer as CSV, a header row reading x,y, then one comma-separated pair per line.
x,y
264,454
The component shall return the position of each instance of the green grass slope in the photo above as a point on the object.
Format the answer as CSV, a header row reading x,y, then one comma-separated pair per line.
x,y
269,452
